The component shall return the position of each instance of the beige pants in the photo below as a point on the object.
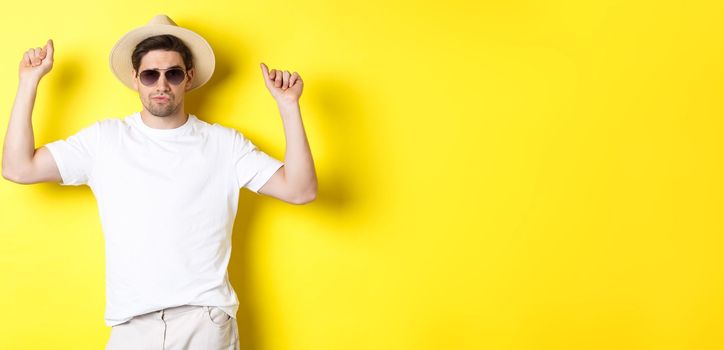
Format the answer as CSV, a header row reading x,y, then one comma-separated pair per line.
x,y
183,327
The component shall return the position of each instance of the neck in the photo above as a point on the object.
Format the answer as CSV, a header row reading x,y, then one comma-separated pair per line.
x,y
168,122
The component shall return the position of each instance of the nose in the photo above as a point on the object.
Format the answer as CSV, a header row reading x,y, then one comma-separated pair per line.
x,y
162,84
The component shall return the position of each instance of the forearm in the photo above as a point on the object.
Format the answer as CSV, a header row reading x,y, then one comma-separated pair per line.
x,y
19,145
298,164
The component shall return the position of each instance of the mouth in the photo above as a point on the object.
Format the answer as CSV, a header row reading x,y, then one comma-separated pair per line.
x,y
160,98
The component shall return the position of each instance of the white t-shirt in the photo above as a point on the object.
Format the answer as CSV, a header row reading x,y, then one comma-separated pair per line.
x,y
167,200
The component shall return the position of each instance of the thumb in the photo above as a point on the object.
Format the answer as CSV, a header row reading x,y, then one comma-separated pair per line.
x,y
49,49
265,72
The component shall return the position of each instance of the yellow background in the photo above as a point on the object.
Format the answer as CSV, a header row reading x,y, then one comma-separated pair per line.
x,y
492,174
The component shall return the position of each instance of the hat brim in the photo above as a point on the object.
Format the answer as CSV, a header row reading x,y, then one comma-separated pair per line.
x,y
204,61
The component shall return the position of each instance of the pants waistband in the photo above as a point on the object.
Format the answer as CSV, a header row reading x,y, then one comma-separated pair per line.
x,y
172,311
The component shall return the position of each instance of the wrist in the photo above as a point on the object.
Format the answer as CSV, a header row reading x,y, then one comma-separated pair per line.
x,y
286,104
28,82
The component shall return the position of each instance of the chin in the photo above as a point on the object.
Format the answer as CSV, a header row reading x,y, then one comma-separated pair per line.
x,y
161,112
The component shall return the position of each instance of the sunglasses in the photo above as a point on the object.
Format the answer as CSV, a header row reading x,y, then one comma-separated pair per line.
x,y
149,77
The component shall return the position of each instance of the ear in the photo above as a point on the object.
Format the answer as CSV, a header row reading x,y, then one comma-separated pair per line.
x,y
135,81
190,79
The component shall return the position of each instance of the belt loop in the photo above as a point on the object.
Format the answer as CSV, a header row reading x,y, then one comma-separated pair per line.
x,y
161,313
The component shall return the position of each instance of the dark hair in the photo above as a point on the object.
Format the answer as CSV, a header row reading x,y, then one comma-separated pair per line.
x,y
161,42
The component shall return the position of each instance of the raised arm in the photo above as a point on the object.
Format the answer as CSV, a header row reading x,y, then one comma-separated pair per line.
x,y
21,162
296,181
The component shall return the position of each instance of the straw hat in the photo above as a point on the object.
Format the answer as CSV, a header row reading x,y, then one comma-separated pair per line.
x,y
203,55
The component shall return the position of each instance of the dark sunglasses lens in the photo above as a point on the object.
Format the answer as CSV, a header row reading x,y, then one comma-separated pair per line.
x,y
149,77
175,76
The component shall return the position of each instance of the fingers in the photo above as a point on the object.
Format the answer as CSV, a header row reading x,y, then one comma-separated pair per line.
x,y
294,79
285,79
277,78
35,55
280,79
26,60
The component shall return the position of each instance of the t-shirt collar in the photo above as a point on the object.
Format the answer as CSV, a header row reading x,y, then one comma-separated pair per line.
x,y
162,132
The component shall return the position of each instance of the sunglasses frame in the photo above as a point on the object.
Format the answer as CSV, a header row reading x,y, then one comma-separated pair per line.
x,y
165,74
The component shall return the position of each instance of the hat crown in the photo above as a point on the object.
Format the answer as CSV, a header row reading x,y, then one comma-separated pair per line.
x,y
162,19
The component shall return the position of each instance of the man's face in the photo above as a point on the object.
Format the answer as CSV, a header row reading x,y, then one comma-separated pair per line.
x,y
162,98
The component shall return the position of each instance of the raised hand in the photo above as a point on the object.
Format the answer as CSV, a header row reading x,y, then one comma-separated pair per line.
x,y
37,62
283,86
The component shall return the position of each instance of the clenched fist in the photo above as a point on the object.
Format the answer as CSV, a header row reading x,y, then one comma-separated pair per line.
x,y
283,86
37,62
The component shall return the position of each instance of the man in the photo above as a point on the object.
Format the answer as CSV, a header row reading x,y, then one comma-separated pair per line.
x,y
166,184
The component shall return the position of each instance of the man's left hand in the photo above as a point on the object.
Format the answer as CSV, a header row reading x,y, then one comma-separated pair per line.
x,y
284,87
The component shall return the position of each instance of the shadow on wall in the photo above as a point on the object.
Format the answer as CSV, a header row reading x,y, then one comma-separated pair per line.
x,y
348,139
341,118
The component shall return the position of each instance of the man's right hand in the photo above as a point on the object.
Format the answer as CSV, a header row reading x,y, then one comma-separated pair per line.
x,y
37,62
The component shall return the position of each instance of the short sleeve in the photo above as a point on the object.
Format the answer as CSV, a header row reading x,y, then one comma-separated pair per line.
x,y
75,155
252,167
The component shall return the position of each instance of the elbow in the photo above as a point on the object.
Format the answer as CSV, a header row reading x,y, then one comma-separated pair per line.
x,y
17,176
8,175
311,197
13,177
305,197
